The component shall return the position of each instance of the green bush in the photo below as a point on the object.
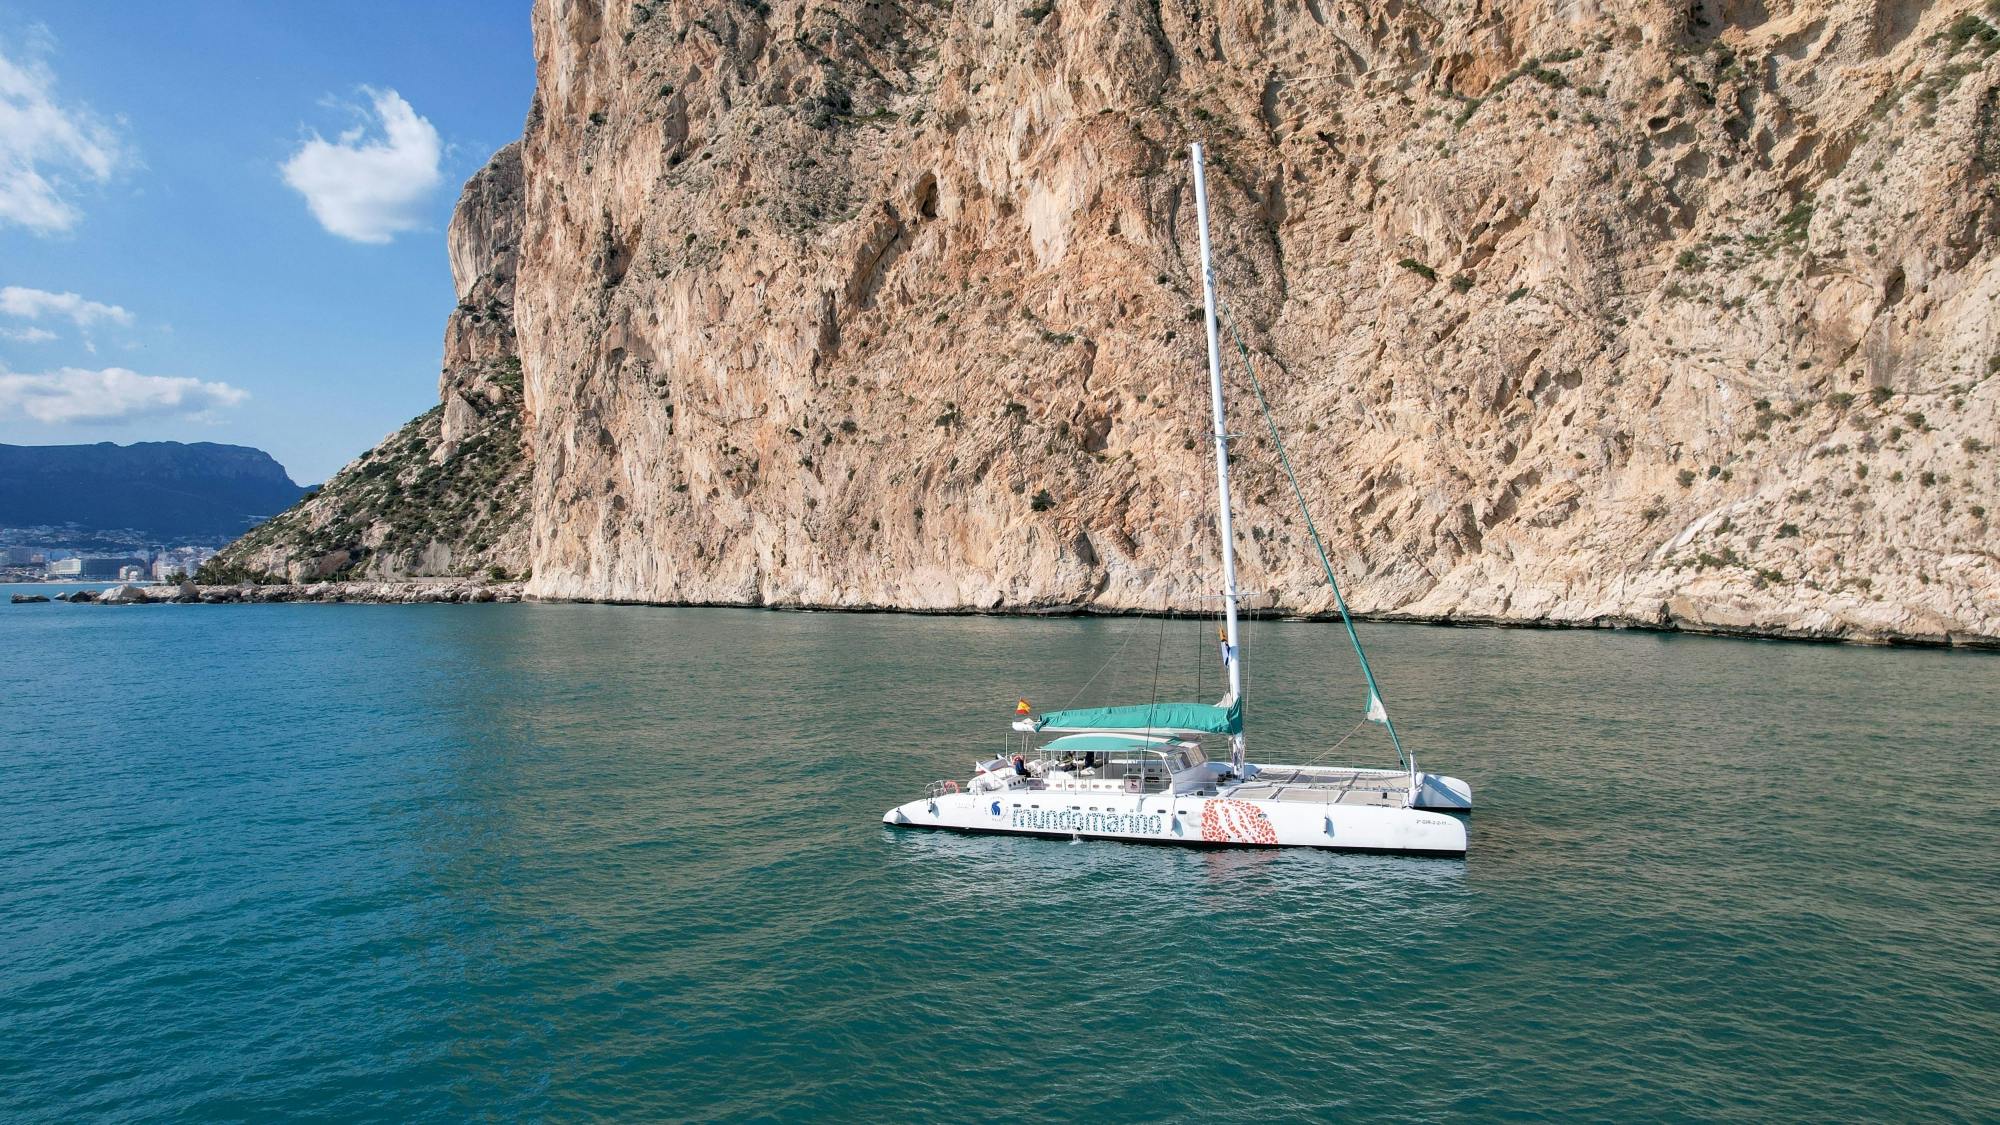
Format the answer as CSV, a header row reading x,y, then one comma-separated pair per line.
x,y
1418,268
1969,28
1042,501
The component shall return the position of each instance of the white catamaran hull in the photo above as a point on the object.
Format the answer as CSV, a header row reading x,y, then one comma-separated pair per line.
x,y
1198,821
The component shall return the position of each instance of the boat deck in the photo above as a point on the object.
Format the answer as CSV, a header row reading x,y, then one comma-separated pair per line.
x,y
1324,785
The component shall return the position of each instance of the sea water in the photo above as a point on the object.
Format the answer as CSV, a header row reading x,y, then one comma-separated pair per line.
x,y
567,861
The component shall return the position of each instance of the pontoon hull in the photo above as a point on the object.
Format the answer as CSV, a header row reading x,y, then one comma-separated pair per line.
x,y
1194,821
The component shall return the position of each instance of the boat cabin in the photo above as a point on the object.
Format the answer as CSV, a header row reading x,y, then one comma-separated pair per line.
x,y
1103,763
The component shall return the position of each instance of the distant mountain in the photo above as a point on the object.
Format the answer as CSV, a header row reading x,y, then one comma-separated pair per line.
x,y
165,489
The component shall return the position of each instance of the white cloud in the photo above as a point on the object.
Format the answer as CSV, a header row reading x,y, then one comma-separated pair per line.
x,y
114,394
370,188
44,145
27,335
34,304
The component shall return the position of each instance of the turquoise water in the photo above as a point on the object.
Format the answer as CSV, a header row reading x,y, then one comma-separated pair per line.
x,y
393,862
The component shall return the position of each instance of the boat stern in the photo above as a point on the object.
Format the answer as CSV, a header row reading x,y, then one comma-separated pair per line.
x,y
1439,793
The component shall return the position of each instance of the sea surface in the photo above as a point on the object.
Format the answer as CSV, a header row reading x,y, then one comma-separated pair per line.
x,y
594,862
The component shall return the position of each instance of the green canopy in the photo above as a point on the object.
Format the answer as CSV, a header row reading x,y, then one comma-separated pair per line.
x,y
1195,718
1104,742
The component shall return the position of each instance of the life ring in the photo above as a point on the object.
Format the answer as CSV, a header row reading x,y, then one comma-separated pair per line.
x,y
951,786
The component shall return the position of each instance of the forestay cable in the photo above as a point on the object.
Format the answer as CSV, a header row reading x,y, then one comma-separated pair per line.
x,y
1375,704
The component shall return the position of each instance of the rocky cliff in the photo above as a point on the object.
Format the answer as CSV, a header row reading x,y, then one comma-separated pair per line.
x,y
1668,313
447,493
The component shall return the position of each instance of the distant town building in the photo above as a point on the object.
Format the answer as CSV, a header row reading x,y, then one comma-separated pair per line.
x,y
179,560
89,569
22,556
131,573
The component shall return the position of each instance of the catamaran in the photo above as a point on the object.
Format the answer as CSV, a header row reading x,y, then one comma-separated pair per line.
x,y
1143,773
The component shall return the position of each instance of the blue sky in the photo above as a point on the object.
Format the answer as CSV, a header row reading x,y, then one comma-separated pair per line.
x,y
196,245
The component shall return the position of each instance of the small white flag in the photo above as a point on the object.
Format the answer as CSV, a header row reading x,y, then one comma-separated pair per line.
x,y
1376,714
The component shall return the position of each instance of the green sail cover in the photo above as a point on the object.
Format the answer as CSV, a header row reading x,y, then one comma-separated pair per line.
x,y
1195,717
1105,742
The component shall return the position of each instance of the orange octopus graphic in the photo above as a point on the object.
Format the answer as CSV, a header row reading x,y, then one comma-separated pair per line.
x,y
1229,821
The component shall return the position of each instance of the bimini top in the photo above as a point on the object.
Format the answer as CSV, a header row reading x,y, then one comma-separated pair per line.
x,y
1107,742
1150,718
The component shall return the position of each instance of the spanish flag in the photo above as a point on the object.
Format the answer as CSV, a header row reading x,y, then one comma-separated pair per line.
x,y
1022,708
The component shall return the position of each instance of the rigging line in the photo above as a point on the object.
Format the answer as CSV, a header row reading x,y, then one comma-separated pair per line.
x,y
1285,459
1166,598
1210,612
1100,670
1200,679
1321,756
1159,651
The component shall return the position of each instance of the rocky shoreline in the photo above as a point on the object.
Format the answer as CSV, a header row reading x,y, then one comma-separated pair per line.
x,y
403,592
1679,615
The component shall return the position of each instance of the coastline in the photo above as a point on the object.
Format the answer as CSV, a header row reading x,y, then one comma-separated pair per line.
x,y
401,592
1678,616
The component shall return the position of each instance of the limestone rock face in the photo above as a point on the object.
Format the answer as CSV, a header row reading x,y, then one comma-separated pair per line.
x,y
446,494
479,355
1620,311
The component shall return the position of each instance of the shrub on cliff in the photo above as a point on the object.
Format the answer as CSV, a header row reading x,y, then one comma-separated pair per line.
x,y
1418,268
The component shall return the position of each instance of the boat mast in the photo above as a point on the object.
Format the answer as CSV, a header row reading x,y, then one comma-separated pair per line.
x,y
1232,651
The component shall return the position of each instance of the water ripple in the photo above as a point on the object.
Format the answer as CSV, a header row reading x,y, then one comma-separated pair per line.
x,y
594,862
